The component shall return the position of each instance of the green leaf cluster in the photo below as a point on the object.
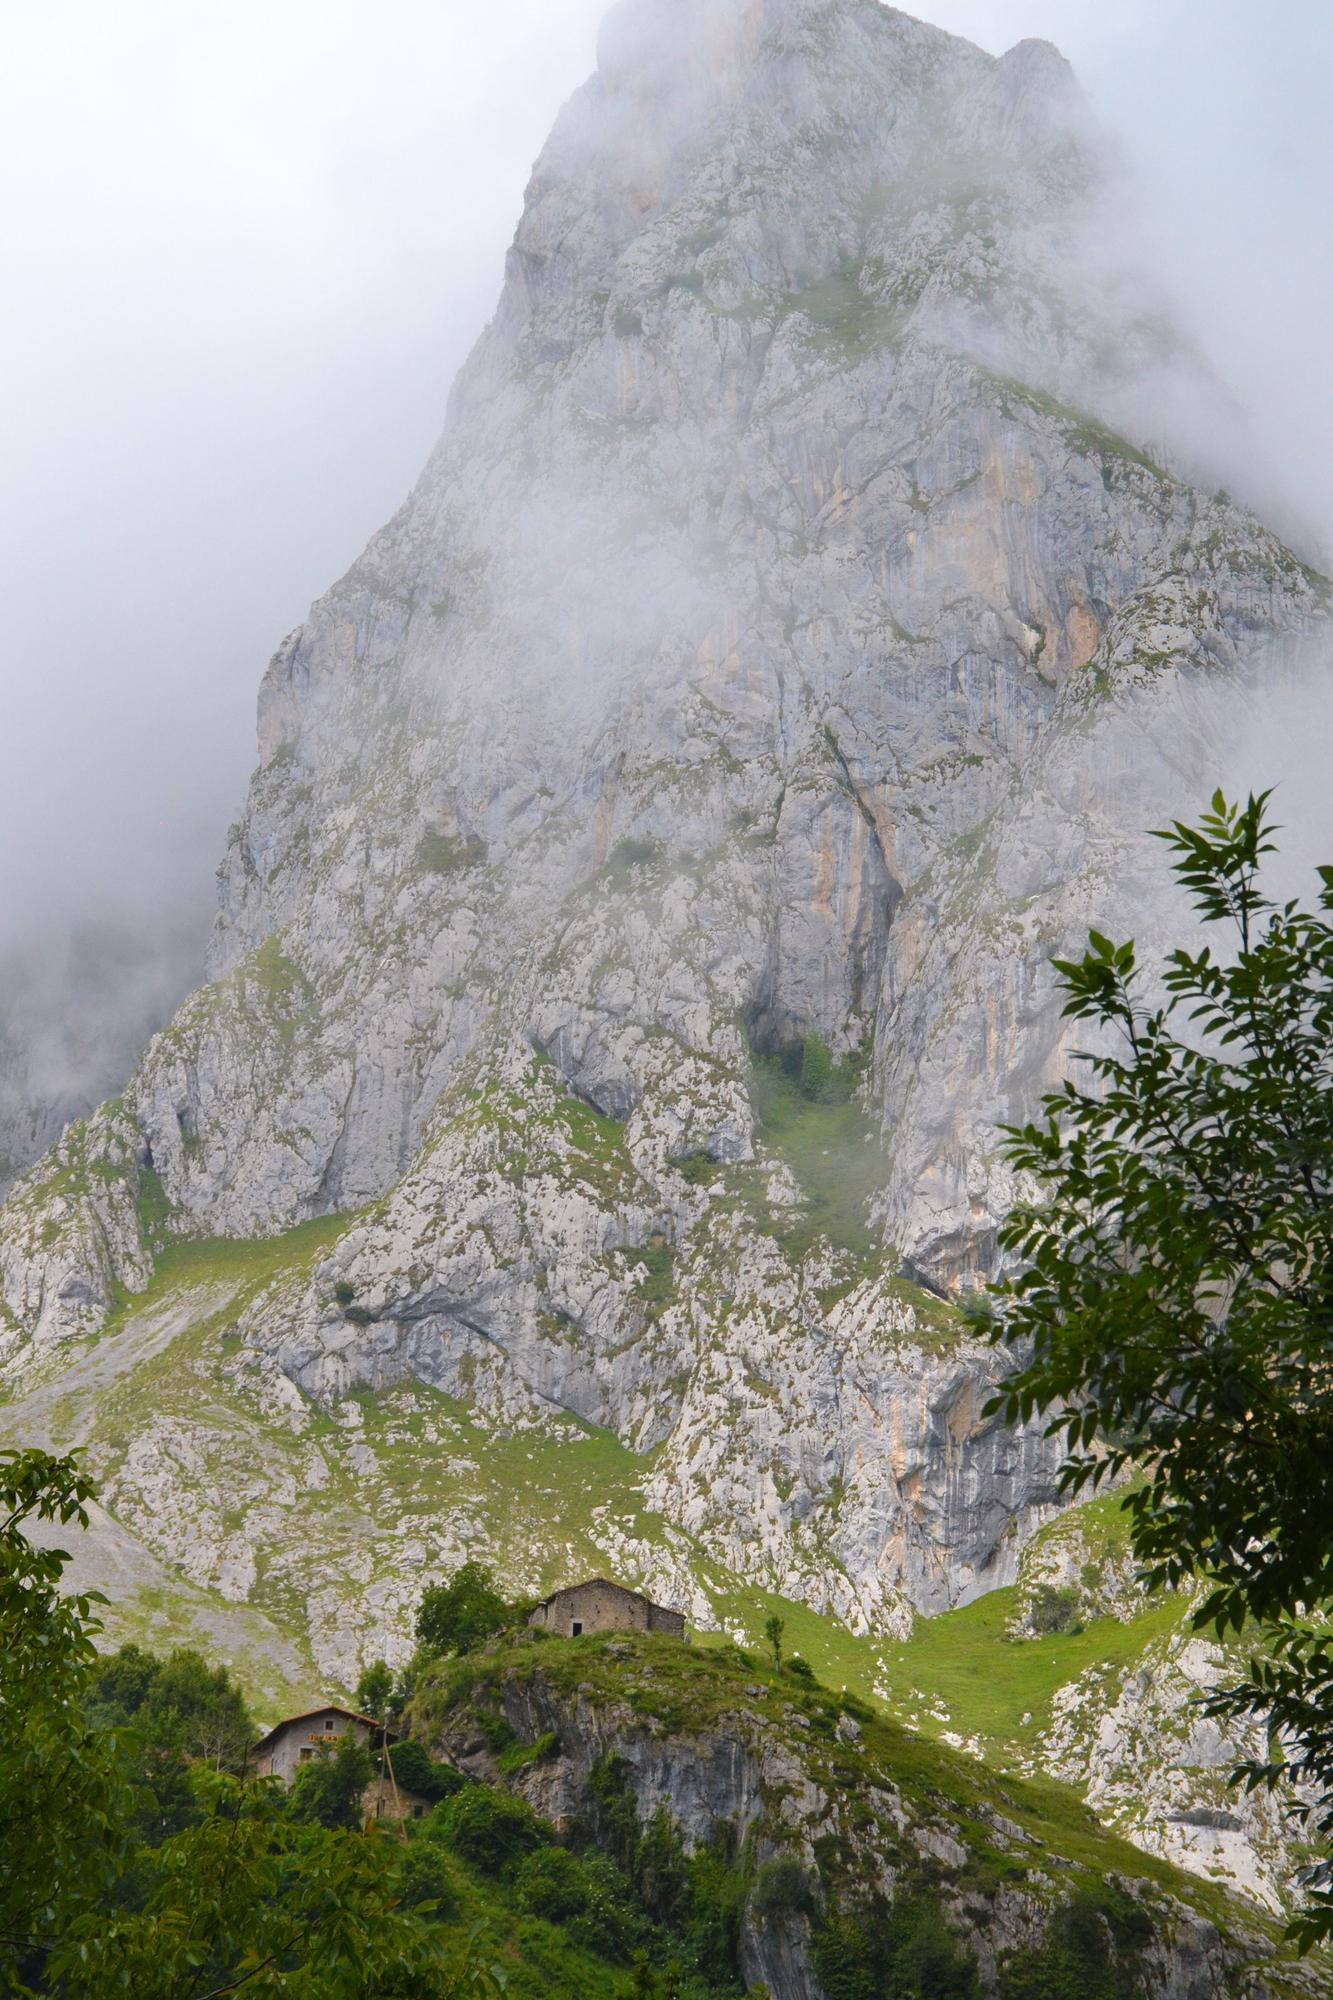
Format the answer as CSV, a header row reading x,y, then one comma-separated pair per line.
x,y
1172,1305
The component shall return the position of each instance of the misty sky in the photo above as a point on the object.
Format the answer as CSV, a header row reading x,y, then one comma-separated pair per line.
x,y
245,249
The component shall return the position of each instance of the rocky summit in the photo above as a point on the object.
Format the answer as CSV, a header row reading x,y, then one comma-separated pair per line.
x,y
640,923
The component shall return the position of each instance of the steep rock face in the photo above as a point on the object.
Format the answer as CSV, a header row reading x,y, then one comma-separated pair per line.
x,y
774,655
1151,1764
761,1767
736,559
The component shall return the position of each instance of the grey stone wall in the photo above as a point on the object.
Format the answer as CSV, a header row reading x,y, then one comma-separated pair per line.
x,y
604,1607
284,1757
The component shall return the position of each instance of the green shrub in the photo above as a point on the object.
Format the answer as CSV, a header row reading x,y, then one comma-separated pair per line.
x,y
490,1830
905,1950
358,1315
374,1690
800,1669
1054,1609
617,1814
628,854
424,1877
711,1929
781,1886
416,1771
664,1884
519,1755
609,1924
550,1883
343,1292
327,1791
181,1703
1091,1951
122,1683
457,1616
448,854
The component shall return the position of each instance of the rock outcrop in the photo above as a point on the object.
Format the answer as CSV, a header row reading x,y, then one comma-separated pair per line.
x,y
781,1773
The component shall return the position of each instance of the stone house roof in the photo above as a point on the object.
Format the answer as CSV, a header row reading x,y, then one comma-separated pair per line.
x,y
270,1736
607,1583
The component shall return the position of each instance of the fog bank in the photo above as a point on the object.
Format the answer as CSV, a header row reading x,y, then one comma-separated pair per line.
x,y
247,249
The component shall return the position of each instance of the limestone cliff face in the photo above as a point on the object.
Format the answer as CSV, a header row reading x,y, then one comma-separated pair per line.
x,y
762,1768
774,650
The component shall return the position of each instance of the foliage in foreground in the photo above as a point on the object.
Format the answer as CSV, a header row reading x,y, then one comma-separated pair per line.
x,y
1175,1289
129,1861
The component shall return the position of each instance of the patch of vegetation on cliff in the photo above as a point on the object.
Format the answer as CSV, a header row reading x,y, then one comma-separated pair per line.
x,y
448,853
810,1119
236,1264
1084,434
840,315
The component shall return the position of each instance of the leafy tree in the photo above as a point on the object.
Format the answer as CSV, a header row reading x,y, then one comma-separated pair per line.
x,y
327,1788
121,1684
374,1691
774,1627
201,1709
460,1615
664,1883
245,1900
1173,1304
781,1885
416,1771
491,1830
550,1883
424,1877
61,1792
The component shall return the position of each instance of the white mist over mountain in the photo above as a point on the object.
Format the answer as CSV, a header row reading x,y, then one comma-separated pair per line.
x,y
246,251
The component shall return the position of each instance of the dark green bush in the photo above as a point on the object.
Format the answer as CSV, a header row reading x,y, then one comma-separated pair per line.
x,y
122,1683
663,1879
782,1885
491,1830
416,1771
617,1814
327,1791
610,1923
550,1883
457,1616
1054,1609
1091,1951
181,1704
905,1949
424,1877
801,1669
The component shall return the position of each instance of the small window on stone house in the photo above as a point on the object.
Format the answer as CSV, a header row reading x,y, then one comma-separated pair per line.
x,y
576,1626
328,1724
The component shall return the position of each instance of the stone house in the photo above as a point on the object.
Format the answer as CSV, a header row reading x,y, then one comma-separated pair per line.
x,y
294,1741
599,1606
